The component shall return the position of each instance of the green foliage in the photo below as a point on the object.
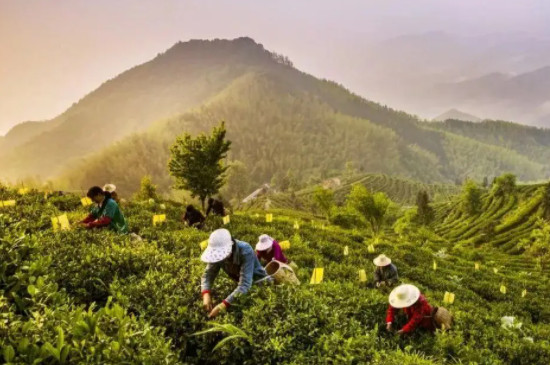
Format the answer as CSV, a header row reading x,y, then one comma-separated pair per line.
x,y
505,184
324,200
372,207
424,210
238,181
471,197
197,163
147,190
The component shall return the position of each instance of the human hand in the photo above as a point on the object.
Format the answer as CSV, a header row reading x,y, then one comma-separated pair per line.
x,y
207,302
217,310
388,326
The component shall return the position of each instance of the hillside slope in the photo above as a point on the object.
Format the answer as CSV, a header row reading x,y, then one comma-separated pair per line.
x,y
182,77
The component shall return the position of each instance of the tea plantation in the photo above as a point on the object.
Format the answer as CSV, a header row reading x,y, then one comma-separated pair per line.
x,y
77,296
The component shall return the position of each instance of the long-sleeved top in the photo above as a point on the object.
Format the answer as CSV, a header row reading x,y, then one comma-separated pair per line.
x,y
419,315
386,273
216,207
276,253
242,266
110,216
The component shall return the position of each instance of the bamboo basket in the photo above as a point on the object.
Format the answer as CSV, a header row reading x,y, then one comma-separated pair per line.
x,y
281,273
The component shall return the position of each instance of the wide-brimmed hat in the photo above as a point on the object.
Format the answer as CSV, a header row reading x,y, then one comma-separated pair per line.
x,y
109,188
404,296
219,247
265,242
382,260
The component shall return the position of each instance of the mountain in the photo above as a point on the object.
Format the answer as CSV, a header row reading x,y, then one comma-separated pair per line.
x,y
279,119
455,114
182,77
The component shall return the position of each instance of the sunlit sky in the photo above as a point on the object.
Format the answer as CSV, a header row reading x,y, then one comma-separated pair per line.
x,y
52,53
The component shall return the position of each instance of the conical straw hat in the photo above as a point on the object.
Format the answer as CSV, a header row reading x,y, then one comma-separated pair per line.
x,y
404,296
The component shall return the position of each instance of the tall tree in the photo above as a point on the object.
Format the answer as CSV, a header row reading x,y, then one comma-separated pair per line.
x,y
424,210
197,163
471,197
147,190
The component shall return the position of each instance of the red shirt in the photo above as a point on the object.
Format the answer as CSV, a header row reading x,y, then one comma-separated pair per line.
x,y
419,315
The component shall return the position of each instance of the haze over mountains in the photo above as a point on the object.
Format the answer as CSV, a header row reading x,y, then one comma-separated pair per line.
x,y
279,119
500,76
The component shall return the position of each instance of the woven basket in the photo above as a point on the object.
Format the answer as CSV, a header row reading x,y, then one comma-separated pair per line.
x,y
281,273
443,318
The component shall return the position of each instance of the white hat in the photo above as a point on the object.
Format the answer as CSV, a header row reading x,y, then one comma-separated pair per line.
x,y
264,243
219,247
404,296
109,188
382,260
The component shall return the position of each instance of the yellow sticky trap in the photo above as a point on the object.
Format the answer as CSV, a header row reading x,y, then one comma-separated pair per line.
x,y
503,289
449,298
86,201
476,266
226,220
370,249
159,218
269,218
346,250
495,270
317,275
285,245
524,293
257,215
435,265
296,225
323,227
362,275
23,191
204,245
7,203
61,223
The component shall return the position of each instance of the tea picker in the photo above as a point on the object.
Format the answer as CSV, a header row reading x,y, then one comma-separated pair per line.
x,y
385,273
105,212
240,263
268,249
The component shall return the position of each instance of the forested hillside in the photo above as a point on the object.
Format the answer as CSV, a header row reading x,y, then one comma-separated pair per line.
x,y
280,120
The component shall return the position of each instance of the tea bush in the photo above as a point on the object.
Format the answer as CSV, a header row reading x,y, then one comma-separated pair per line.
x,y
97,297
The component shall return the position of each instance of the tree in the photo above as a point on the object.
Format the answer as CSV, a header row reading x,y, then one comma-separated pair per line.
x,y
504,185
424,210
147,189
324,200
197,163
471,197
485,182
372,207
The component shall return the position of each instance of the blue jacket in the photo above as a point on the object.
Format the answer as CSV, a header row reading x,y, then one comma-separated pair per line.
x,y
242,266
386,273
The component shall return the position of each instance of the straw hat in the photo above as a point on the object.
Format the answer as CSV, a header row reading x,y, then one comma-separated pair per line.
x,y
265,242
109,188
404,296
382,260
219,247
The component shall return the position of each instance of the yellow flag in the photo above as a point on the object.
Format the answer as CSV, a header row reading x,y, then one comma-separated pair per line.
x,y
503,289
269,218
451,298
495,270
204,245
61,223
323,227
524,293
86,201
362,276
435,265
370,249
226,219
159,218
346,250
296,225
285,245
7,203
476,266
317,275
23,191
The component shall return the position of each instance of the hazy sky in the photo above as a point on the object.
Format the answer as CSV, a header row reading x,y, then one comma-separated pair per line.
x,y
53,52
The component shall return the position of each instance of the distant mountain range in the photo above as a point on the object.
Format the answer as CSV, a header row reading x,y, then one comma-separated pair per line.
x,y
279,119
455,114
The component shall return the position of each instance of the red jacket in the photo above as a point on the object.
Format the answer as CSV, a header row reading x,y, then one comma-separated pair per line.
x,y
419,315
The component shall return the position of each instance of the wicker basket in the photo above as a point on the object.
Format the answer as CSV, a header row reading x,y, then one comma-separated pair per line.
x,y
443,318
281,273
